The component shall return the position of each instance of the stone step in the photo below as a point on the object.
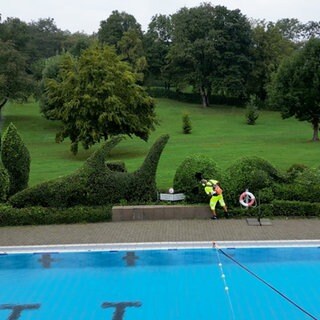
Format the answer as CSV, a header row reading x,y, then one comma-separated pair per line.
x,y
159,212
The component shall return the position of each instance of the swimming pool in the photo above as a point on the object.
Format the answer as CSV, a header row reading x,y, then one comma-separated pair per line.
x,y
166,282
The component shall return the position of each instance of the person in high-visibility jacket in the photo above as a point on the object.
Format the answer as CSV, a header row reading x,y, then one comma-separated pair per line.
x,y
212,188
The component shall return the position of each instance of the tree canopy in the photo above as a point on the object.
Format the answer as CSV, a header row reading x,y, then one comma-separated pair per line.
x,y
157,42
96,96
112,30
210,50
270,46
295,86
15,82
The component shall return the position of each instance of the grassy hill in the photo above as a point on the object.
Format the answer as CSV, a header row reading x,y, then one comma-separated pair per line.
x,y
220,132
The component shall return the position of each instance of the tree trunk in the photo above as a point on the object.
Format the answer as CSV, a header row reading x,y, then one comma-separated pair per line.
x,y
315,126
167,85
205,96
3,102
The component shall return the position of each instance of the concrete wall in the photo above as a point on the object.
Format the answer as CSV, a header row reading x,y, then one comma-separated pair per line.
x,y
127,213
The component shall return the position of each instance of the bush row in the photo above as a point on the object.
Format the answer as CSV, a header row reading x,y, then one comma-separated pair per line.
x,y
194,97
85,214
10,216
281,208
299,184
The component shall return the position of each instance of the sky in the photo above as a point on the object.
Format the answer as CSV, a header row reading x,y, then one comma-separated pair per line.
x,y
86,15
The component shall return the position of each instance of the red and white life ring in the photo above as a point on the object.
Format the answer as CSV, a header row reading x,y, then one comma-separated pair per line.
x,y
247,199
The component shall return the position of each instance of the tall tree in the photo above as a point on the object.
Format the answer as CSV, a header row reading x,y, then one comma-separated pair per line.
x,y
18,32
131,50
47,39
96,96
122,31
210,50
50,72
157,42
112,30
295,86
298,32
33,43
291,29
15,82
311,30
270,47
77,42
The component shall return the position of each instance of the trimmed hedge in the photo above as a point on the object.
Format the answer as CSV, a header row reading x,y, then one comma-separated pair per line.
x,y
10,216
95,184
277,197
251,173
280,208
4,183
304,187
16,159
187,177
295,208
117,166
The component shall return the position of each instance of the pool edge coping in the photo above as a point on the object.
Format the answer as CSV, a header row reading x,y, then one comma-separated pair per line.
x,y
157,246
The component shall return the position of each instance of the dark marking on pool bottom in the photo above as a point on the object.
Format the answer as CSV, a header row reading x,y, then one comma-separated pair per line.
x,y
130,258
46,260
17,309
120,308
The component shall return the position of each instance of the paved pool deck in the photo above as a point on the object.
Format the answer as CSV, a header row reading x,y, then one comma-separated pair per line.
x,y
160,231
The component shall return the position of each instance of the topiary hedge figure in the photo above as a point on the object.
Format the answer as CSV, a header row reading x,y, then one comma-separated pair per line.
x,y
304,187
189,173
251,173
116,166
16,159
95,184
4,184
294,171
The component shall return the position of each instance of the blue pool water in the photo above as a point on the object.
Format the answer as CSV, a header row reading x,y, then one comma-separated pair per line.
x,y
184,284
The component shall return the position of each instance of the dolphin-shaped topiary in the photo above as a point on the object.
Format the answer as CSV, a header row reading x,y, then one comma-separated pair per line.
x,y
95,184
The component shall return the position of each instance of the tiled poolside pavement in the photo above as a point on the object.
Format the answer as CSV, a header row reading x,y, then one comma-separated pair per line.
x,y
160,230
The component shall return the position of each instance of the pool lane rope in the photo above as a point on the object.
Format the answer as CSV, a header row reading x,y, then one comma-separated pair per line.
x,y
223,277
265,282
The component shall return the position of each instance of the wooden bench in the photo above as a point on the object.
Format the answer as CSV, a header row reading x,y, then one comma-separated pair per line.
x,y
159,212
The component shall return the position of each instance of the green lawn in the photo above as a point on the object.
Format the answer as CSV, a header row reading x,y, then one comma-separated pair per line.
x,y
218,132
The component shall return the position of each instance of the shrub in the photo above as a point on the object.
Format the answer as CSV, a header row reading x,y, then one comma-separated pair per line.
x,y
252,113
186,124
188,175
16,159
